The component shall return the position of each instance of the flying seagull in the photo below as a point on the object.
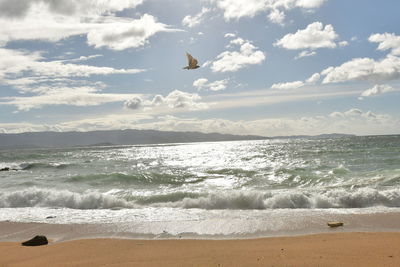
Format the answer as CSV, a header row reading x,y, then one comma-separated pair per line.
x,y
192,62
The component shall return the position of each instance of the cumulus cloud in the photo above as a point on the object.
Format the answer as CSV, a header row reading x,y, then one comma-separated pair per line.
x,y
179,99
203,84
175,100
192,21
55,20
377,90
126,34
314,78
277,16
236,9
314,36
231,61
200,83
133,103
387,41
364,69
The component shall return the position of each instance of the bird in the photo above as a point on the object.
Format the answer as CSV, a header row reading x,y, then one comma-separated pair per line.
x,y
192,62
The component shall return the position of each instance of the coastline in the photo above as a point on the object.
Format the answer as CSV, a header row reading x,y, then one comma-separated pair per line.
x,y
334,249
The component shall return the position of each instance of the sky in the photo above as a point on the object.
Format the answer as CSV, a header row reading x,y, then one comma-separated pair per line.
x,y
267,67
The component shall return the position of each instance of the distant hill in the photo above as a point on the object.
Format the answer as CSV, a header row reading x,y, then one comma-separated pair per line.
x,y
126,137
320,136
113,137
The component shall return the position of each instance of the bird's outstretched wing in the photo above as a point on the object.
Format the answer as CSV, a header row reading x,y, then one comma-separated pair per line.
x,y
192,62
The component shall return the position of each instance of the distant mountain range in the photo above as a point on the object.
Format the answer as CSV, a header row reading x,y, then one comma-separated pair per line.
x,y
123,137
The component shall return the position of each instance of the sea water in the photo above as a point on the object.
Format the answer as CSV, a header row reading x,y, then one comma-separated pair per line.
x,y
203,189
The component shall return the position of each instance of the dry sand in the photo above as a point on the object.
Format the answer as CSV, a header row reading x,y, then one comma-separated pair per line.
x,y
337,249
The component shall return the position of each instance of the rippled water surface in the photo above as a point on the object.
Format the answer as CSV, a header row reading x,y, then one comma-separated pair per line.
x,y
186,180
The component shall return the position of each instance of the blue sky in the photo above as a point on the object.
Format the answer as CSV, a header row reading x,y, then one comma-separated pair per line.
x,y
268,67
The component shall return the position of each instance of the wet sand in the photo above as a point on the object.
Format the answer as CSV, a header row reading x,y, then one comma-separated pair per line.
x,y
335,249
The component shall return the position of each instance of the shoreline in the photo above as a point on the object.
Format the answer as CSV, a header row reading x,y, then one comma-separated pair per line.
x,y
334,249
296,223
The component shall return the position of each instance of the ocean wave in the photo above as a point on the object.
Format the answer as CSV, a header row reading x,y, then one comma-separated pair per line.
x,y
234,200
60,199
39,165
362,198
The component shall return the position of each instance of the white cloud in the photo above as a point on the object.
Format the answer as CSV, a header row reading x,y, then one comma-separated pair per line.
x,y
192,21
288,85
297,84
236,9
55,20
353,121
310,4
22,68
126,34
133,103
200,83
179,99
230,61
218,85
387,41
237,41
314,36
364,69
377,72
78,96
83,58
175,100
314,78
203,84
229,35
343,43
377,90
12,9
91,96
277,16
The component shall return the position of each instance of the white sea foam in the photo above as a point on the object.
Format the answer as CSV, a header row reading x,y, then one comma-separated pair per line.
x,y
233,200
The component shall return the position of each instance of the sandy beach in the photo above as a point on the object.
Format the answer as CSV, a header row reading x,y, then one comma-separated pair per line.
x,y
336,249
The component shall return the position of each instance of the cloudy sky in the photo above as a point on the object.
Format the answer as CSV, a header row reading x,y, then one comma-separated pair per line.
x,y
268,67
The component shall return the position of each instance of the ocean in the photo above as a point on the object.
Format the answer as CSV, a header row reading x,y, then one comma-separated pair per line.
x,y
214,189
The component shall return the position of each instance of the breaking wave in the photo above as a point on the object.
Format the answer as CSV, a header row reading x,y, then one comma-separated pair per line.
x,y
338,199
235,200
60,199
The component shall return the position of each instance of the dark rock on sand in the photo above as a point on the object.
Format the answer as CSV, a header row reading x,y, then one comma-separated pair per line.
x,y
335,224
38,240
